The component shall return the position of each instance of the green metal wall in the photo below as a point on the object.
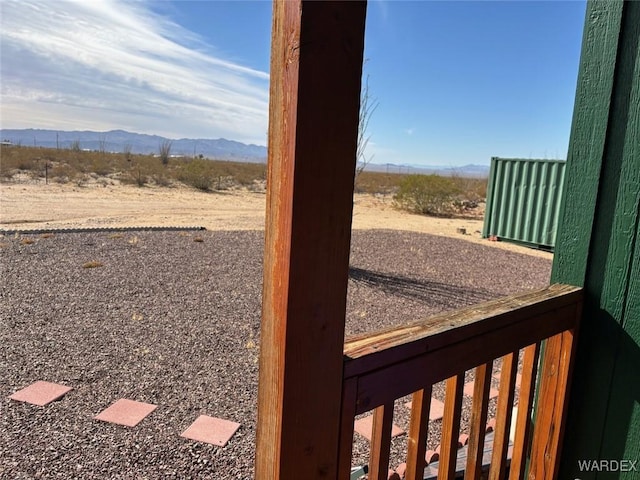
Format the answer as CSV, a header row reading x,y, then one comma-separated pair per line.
x,y
523,200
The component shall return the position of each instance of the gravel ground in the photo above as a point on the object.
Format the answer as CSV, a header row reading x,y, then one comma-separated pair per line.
x,y
172,318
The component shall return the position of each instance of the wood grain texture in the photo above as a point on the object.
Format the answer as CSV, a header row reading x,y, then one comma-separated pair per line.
x,y
382,384
397,344
555,374
479,410
587,141
620,295
348,413
503,416
521,440
418,431
381,442
597,242
451,427
316,68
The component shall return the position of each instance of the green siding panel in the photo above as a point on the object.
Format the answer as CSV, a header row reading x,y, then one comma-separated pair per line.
x,y
523,200
598,243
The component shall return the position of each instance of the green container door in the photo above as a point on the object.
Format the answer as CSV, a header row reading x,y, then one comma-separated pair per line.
x,y
523,201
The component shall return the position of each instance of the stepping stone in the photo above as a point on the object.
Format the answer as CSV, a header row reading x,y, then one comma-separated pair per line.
x,y
215,431
468,391
41,393
436,410
364,426
126,412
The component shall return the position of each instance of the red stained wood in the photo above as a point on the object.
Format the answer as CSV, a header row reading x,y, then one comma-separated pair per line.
x,y
479,409
555,373
316,68
525,404
503,416
418,430
381,442
451,427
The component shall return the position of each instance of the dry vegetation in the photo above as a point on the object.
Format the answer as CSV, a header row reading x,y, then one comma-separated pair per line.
x,y
423,194
81,167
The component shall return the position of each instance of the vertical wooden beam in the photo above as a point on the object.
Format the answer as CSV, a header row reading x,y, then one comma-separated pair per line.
x,y
451,427
521,441
381,442
345,445
418,431
548,431
503,416
479,411
316,68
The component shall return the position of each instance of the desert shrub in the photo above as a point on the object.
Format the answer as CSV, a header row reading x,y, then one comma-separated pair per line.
x,y
62,173
161,180
378,182
473,190
428,195
101,166
197,173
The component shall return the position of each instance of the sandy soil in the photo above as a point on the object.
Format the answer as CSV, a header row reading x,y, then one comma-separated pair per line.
x,y
37,206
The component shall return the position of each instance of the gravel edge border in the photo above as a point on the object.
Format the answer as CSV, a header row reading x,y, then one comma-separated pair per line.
x,y
99,230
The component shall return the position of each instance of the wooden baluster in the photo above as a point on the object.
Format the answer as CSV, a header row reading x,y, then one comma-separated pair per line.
x,y
451,427
418,430
555,372
381,442
345,446
481,387
525,404
503,416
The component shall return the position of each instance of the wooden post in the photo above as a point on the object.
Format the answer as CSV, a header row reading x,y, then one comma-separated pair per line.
x,y
316,69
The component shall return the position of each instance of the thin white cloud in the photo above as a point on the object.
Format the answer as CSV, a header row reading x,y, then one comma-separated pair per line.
x,y
116,64
409,131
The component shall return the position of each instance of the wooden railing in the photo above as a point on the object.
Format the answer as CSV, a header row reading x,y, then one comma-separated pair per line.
x,y
382,367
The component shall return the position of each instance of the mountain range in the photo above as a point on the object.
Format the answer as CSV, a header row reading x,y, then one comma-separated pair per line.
x,y
117,140
220,149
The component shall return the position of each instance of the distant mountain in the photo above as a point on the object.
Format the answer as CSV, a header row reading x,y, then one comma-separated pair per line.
x,y
470,170
116,140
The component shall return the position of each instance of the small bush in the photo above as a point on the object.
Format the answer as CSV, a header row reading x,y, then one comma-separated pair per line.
x,y
378,182
197,173
428,195
62,173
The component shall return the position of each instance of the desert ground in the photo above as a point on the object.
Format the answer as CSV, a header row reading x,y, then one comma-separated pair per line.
x,y
36,206
172,318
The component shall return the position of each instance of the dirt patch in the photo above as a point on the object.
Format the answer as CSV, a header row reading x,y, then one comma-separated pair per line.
x,y
37,206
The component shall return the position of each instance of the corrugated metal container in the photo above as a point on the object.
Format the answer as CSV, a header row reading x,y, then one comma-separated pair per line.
x,y
523,200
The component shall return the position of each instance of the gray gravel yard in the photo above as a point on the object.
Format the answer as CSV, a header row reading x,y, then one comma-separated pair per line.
x,y
173,319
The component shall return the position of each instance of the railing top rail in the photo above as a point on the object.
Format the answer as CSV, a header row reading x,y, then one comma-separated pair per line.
x,y
368,352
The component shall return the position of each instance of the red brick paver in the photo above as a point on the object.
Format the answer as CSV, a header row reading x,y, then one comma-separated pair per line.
x,y
436,410
41,393
468,390
364,426
211,430
126,412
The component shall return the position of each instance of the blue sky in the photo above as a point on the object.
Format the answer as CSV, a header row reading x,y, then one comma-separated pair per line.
x,y
455,82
